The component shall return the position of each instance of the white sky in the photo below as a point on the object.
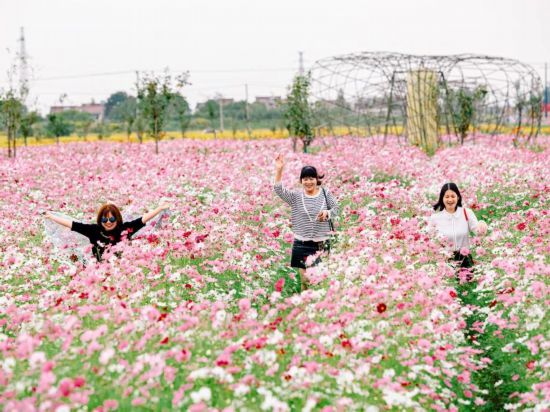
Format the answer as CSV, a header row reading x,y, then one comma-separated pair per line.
x,y
227,43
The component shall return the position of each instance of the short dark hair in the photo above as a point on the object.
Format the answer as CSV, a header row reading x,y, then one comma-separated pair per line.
x,y
112,209
448,186
311,171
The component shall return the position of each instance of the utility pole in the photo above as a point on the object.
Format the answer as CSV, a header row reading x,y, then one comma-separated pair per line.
x,y
246,110
23,68
301,59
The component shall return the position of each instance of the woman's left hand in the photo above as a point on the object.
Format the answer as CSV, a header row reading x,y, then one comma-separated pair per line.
x,y
164,206
322,216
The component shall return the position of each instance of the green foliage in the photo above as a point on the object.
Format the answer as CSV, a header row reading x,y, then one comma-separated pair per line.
x,y
298,113
462,103
27,122
181,110
12,110
155,94
73,116
58,126
114,100
126,113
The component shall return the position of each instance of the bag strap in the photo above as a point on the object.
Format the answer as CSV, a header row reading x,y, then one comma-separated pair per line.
x,y
466,216
331,225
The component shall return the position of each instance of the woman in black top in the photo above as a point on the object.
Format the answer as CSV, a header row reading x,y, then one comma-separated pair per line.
x,y
110,229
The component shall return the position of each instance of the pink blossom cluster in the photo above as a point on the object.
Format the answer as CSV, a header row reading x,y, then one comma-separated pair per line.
x,y
198,315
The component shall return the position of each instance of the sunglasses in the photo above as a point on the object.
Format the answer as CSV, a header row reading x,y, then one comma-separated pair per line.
x,y
111,219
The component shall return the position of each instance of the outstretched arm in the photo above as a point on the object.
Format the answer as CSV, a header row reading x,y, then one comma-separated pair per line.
x,y
59,220
279,166
149,215
282,192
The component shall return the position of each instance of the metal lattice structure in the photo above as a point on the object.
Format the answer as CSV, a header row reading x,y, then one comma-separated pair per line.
x,y
392,94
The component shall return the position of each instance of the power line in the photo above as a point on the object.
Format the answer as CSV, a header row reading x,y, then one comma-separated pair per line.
x,y
123,72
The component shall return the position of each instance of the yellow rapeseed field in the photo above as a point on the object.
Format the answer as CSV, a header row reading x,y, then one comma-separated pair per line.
x,y
240,134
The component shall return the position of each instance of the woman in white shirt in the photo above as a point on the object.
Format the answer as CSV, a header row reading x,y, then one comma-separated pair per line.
x,y
455,222
312,210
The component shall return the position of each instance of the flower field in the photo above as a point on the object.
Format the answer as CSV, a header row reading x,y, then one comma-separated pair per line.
x,y
204,313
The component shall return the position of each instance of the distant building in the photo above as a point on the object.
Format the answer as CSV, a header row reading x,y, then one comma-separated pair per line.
x,y
97,110
224,101
271,102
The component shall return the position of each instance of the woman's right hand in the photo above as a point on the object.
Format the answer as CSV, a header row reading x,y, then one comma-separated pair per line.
x,y
481,228
279,162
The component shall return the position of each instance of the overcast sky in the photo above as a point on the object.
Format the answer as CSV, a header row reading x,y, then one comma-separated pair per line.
x,y
89,49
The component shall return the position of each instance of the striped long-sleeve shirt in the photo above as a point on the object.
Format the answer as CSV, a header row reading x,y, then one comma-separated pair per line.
x,y
305,210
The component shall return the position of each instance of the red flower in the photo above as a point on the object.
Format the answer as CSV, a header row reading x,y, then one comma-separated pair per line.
x,y
79,381
521,226
200,238
381,308
453,294
395,221
279,285
164,341
346,344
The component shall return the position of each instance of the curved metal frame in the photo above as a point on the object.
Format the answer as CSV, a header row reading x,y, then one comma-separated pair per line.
x,y
367,92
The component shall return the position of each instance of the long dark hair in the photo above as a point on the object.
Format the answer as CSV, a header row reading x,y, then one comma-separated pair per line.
x,y
448,186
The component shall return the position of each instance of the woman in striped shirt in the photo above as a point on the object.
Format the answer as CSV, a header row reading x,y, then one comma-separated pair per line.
x,y
311,209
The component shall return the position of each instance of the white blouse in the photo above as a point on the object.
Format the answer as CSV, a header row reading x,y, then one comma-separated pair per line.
x,y
454,227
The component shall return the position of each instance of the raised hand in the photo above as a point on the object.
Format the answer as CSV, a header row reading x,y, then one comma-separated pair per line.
x,y
279,162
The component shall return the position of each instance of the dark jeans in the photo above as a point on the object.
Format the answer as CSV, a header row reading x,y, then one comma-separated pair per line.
x,y
301,250
465,264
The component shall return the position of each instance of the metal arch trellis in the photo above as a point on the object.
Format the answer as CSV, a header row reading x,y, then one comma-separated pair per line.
x,y
370,93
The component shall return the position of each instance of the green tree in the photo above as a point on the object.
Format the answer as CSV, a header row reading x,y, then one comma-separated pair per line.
x,y
74,116
113,100
83,128
182,112
28,120
126,113
154,96
463,103
213,113
12,110
298,112
140,127
57,126
534,106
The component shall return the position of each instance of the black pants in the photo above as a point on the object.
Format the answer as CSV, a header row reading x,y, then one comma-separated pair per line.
x,y
465,264
301,250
